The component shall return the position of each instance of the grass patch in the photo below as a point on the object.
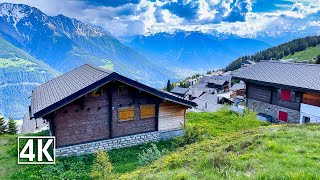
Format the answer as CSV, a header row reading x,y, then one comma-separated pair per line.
x,y
272,152
307,54
231,147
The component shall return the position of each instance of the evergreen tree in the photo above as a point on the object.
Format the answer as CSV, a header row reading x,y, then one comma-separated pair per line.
x,y
12,127
3,126
169,86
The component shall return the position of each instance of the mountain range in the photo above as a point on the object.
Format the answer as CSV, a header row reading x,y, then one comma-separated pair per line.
x,y
194,50
36,47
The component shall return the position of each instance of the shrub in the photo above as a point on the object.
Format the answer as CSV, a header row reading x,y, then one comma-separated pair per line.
x,y
150,154
191,135
102,167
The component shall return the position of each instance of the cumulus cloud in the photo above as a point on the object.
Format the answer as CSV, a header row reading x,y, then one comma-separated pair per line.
x,y
131,17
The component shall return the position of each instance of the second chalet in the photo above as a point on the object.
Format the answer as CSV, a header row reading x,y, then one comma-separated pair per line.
x,y
284,91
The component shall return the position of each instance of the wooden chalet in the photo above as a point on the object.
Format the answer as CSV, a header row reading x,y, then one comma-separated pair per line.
x,y
288,92
90,104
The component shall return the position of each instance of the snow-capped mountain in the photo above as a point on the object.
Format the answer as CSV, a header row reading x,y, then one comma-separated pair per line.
x,y
195,50
65,43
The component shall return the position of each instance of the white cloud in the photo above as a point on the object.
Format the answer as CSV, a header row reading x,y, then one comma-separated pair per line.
x,y
210,15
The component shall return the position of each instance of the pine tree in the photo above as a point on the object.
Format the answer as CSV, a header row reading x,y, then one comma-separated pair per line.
x,y
169,86
12,127
3,126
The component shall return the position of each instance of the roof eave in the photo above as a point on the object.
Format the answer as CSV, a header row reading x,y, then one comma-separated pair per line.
x,y
277,84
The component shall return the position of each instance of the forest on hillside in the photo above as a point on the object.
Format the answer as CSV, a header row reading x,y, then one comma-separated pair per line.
x,y
277,52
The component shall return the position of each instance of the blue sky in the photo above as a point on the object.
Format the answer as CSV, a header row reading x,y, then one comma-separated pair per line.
x,y
247,18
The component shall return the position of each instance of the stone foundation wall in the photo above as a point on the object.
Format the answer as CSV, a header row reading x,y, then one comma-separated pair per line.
x,y
273,110
108,144
166,135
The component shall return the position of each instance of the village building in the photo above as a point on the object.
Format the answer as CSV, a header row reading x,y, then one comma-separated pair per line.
x,y
193,94
179,91
286,91
90,108
207,103
219,85
238,89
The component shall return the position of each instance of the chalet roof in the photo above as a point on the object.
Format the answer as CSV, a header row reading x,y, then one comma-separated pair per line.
x,y
291,75
195,92
179,90
221,77
199,85
217,82
68,87
213,98
238,86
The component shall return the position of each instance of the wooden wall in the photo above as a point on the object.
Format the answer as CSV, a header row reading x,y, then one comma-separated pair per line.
x,y
311,99
74,124
259,92
171,116
294,102
134,99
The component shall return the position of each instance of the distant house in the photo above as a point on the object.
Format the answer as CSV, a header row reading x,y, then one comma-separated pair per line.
x,y
193,94
90,108
288,92
179,91
239,89
219,82
220,85
207,103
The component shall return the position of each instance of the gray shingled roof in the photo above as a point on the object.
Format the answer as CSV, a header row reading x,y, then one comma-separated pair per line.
x,y
195,92
65,85
217,82
179,90
66,88
299,75
238,86
213,98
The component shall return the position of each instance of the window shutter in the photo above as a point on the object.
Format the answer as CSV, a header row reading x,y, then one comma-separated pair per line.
x,y
126,114
293,96
285,94
147,111
283,116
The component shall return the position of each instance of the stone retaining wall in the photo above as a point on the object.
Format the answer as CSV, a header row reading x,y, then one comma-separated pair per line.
x,y
273,110
108,144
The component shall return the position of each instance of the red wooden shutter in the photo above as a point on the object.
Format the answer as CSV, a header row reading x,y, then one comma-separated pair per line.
x,y
285,94
283,116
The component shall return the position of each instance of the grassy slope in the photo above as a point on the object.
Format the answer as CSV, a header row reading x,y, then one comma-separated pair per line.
x,y
275,152
307,54
252,150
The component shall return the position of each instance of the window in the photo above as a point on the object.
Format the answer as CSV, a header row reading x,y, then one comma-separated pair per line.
x,y
147,111
122,90
126,114
283,116
285,94
97,92
306,119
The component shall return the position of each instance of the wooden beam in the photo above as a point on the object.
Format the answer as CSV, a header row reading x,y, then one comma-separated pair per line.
x,y
110,111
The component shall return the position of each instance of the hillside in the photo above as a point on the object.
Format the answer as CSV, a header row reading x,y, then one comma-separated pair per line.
x,y
65,43
275,152
223,145
19,74
307,54
278,52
